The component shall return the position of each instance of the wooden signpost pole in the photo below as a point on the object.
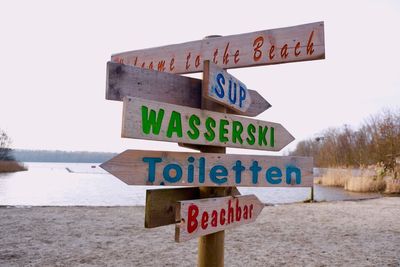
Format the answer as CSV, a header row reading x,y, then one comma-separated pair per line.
x,y
211,247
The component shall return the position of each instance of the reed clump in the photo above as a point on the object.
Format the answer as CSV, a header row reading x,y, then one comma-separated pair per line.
x,y
11,166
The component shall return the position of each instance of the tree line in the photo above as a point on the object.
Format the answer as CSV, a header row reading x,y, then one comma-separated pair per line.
x,y
377,140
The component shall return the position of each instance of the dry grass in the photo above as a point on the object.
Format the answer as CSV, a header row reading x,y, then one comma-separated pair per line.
x,y
11,166
365,184
334,177
392,185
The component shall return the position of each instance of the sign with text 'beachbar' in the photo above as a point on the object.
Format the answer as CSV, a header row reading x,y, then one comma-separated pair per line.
x,y
144,119
223,88
205,216
124,80
138,167
283,45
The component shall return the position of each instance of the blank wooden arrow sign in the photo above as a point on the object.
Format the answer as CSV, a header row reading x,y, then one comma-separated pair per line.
x,y
124,80
206,216
138,167
144,119
291,44
223,88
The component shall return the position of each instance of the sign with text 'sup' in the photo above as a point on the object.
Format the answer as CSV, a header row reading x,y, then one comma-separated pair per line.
x,y
205,216
144,119
283,45
138,167
223,88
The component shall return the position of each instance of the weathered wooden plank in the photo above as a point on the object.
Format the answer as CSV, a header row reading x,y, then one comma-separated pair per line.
x,y
124,80
205,216
138,167
144,119
161,204
283,45
225,89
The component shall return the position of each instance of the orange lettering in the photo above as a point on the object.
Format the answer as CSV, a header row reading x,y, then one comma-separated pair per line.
x,y
226,55
187,61
151,65
197,62
271,52
215,56
143,65
236,57
171,64
310,44
284,51
161,65
297,53
258,42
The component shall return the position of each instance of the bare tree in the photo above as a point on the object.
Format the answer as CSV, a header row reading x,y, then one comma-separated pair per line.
x,y
5,144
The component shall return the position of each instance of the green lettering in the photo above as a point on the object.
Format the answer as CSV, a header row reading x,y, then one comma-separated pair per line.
x,y
251,129
175,124
237,129
223,130
194,121
149,121
210,134
262,131
272,137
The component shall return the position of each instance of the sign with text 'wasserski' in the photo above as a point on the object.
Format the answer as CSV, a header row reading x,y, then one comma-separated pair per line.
x,y
144,119
283,45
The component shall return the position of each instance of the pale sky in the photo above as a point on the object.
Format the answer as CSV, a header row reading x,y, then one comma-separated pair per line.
x,y
54,54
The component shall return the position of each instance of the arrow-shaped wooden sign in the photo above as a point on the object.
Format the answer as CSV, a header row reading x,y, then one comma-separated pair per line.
x,y
283,45
205,216
151,120
138,167
124,80
223,88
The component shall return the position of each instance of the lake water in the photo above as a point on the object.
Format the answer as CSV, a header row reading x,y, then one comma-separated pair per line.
x,y
75,184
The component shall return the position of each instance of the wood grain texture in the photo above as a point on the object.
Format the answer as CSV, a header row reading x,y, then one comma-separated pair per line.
x,y
161,204
267,136
225,89
282,45
124,80
131,167
221,213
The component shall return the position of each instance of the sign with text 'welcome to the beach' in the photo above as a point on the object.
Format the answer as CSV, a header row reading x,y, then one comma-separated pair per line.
x,y
138,167
283,45
205,216
144,119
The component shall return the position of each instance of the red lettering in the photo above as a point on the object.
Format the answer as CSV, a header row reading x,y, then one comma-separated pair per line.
x,y
284,51
187,61
258,42
230,212
222,217
226,55
192,223
143,64
197,62
214,218
161,65
238,212
251,211
245,212
297,53
236,57
271,52
135,61
310,44
120,60
171,64
215,56
151,65
204,220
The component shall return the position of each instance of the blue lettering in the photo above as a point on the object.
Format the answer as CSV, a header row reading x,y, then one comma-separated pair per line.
x,y
202,163
152,168
178,173
242,95
190,170
218,171
255,169
238,168
220,82
289,171
274,172
232,100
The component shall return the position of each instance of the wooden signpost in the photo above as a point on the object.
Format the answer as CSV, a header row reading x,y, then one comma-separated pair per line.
x,y
225,89
205,216
124,80
144,119
160,105
139,167
283,45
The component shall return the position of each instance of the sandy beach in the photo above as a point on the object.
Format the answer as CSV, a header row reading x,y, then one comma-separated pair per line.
x,y
347,233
